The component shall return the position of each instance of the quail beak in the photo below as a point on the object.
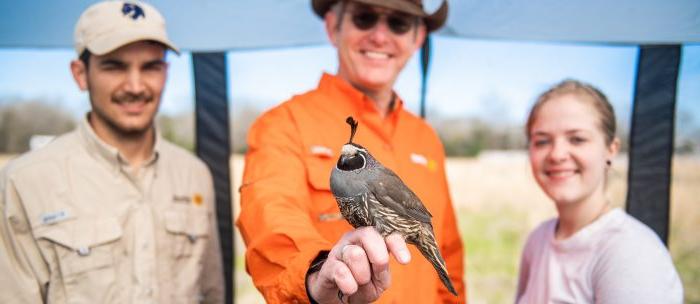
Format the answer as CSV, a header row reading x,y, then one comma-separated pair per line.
x,y
343,160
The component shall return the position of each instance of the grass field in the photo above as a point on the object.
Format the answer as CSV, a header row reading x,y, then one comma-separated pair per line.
x,y
498,203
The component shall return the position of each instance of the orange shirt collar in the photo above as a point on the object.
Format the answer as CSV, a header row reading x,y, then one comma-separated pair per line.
x,y
355,101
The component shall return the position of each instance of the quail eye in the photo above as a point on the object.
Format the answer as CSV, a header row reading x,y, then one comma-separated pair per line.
x,y
349,163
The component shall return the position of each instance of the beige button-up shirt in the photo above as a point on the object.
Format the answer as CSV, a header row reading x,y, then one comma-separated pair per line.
x,y
79,226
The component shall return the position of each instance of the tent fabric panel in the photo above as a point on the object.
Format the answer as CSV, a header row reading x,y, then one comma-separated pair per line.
x,y
213,146
651,138
218,25
593,21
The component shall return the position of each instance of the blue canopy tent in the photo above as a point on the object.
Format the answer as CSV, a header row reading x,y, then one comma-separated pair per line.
x,y
209,28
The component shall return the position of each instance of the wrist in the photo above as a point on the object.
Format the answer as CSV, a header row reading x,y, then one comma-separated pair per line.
x,y
312,273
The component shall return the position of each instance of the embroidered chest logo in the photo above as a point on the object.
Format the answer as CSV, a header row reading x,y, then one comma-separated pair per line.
x,y
196,199
133,10
420,159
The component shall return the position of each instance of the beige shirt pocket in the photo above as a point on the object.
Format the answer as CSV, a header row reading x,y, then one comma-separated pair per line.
x,y
83,255
188,228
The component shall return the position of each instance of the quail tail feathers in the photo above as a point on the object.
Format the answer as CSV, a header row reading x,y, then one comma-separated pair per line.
x,y
428,247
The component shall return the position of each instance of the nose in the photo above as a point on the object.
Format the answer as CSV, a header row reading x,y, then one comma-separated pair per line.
x,y
558,152
134,82
380,32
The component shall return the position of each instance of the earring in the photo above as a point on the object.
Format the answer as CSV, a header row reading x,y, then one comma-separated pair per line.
x,y
608,162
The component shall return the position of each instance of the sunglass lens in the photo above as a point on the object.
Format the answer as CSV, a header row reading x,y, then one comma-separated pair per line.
x,y
399,24
365,20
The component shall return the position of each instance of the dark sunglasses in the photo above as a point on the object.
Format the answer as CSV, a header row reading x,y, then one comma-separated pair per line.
x,y
364,18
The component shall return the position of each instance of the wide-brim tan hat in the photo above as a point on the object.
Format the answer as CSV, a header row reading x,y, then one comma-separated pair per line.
x,y
109,25
414,7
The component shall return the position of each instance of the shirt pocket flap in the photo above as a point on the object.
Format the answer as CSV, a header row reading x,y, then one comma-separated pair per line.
x,y
81,234
319,172
82,244
187,220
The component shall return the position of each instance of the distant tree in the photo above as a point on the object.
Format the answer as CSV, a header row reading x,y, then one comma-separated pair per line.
x,y
241,120
21,119
178,129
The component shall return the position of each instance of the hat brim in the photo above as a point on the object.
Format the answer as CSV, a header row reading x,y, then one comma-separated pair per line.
x,y
109,43
432,22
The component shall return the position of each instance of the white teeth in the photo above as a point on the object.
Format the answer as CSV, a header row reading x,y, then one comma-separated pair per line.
x,y
560,173
376,55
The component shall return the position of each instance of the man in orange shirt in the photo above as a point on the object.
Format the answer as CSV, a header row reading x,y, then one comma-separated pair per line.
x,y
299,248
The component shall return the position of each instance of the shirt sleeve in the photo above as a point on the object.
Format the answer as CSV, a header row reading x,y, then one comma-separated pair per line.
x,y
275,219
212,275
19,280
636,268
524,271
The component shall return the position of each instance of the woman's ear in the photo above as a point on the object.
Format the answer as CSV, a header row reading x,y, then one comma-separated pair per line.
x,y
614,148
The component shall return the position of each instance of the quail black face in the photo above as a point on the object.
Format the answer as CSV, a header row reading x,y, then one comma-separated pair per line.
x,y
352,158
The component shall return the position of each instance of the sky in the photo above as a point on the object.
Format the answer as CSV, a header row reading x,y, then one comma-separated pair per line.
x,y
494,80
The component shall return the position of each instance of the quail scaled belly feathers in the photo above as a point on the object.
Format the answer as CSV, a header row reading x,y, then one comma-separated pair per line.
x,y
369,194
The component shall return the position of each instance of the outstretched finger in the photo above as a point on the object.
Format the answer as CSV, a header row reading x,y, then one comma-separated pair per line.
x,y
397,246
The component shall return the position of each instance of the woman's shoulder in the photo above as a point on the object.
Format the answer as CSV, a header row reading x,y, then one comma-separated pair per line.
x,y
628,233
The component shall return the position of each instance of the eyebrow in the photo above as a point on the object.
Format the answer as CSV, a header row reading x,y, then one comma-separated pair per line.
x,y
568,132
154,63
120,63
112,62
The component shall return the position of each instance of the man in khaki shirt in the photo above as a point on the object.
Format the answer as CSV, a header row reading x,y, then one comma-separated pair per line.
x,y
111,212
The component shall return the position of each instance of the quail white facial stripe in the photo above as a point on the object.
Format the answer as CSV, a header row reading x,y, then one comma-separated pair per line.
x,y
321,151
350,150
419,159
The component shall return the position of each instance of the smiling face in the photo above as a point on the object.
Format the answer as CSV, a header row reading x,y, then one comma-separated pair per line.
x,y
568,149
371,59
125,88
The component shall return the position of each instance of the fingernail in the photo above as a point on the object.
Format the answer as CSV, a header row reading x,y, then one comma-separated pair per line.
x,y
404,256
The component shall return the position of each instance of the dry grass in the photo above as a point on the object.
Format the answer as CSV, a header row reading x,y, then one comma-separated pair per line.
x,y
498,203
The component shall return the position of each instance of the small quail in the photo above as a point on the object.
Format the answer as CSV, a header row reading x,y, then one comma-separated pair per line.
x,y
369,194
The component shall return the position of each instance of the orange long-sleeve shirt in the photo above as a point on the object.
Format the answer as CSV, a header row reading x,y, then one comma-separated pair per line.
x,y
288,214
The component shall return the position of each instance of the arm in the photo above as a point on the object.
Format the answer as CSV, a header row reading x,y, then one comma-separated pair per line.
x,y
275,213
523,273
636,269
20,283
212,278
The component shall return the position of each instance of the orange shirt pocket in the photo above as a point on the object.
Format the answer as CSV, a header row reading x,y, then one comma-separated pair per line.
x,y
325,213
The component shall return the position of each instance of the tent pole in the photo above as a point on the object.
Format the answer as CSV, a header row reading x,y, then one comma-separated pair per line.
x,y
424,67
213,146
651,138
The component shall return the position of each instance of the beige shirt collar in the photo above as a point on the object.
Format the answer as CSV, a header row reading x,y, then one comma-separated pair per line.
x,y
101,150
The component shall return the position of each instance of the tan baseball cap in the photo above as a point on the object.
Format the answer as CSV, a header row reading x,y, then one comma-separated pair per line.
x,y
109,25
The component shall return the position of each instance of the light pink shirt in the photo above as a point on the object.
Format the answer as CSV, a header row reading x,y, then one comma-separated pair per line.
x,y
615,259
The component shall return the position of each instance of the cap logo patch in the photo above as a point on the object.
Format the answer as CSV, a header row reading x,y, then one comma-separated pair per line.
x,y
133,10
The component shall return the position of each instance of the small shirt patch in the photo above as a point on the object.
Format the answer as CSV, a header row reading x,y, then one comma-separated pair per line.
x,y
54,217
419,159
321,151
181,199
197,199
